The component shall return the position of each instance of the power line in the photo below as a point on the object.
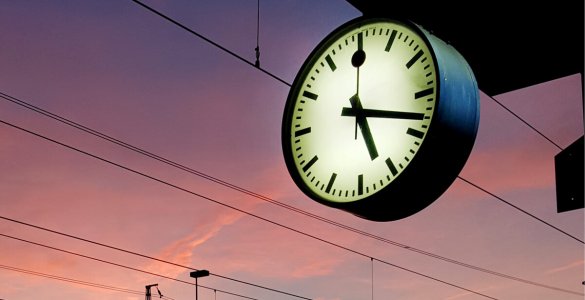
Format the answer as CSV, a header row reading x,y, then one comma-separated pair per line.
x,y
239,210
292,208
347,227
525,122
120,265
520,209
148,154
275,202
209,41
288,84
143,255
76,281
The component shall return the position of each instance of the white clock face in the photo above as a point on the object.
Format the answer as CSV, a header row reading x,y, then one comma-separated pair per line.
x,y
361,110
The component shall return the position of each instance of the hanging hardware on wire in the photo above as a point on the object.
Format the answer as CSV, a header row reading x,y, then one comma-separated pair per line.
x,y
257,63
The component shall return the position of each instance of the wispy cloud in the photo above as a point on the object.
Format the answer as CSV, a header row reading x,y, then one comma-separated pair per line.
x,y
574,264
181,251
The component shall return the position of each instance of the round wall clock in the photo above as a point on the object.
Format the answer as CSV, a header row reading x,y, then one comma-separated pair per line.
x,y
380,119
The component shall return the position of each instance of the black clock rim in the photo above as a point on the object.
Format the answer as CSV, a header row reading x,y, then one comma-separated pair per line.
x,y
374,207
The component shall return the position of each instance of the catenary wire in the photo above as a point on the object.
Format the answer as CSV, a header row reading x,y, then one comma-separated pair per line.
x,y
128,146
400,245
76,281
278,203
328,221
209,41
520,209
288,84
215,201
265,198
240,210
524,121
120,265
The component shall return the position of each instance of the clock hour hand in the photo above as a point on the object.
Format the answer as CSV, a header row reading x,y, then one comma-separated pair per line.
x,y
375,113
364,127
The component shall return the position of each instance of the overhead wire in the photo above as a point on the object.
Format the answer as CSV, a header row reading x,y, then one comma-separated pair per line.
x,y
76,281
520,209
257,49
524,121
209,41
292,208
148,154
278,203
288,84
344,226
286,227
120,265
268,199
238,209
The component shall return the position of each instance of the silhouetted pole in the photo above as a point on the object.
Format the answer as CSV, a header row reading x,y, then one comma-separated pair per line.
x,y
197,274
148,290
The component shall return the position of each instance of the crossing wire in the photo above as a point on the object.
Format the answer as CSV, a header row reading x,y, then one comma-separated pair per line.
x,y
288,84
76,281
352,229
119,265
239,210
278,203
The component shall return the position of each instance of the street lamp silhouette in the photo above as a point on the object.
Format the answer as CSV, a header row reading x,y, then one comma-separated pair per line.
x,y
197,274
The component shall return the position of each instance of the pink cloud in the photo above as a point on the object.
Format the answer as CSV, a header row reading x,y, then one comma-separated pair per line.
x,y
569,266
182,251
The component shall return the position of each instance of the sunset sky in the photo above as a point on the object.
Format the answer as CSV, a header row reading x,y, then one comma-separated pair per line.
x,y
119,69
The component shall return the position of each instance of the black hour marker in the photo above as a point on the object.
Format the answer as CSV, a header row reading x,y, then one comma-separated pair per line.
x,y
415,133
414,59
360,41
390,41
310,95
310,163
302,131
360,184
330,62
391,166
330,184
423,93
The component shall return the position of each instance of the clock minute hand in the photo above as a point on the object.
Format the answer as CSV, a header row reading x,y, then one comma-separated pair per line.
x,y
376,113
364,127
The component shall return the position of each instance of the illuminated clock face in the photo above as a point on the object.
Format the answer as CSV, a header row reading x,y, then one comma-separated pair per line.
x,y
359,110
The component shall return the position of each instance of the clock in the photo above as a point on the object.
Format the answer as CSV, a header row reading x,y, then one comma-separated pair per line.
x,y
380,119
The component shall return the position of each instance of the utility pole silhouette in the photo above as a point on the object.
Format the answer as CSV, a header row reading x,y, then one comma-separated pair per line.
x,y
148,294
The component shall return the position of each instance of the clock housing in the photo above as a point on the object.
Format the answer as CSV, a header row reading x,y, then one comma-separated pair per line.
x,y
418,99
